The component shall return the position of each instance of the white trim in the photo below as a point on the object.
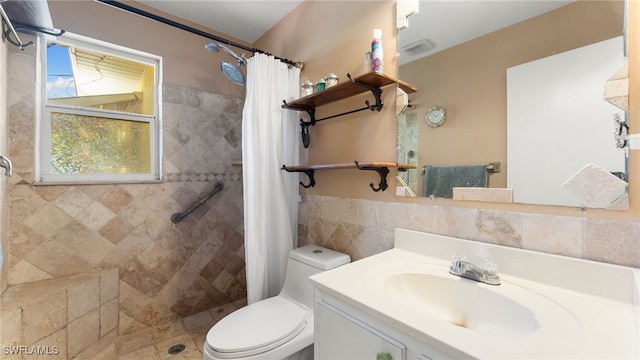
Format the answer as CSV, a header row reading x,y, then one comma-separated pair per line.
x,y
103,178
42,171
40,95
156,126
109,114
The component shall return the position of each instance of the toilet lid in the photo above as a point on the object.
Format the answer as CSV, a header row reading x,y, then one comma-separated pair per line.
x,y
257,328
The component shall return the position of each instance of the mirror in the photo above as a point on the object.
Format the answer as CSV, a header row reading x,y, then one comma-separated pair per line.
x,y
481,62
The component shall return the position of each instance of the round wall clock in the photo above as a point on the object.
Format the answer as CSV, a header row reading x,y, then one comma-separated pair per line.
x,y
436,116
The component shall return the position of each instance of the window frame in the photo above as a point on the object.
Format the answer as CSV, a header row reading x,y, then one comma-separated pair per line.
x,y
42,166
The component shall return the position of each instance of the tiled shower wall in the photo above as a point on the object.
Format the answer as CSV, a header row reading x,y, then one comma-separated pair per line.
x,y
363,228
166,270
408,146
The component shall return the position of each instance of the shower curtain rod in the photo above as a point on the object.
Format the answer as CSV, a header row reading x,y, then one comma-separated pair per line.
x,y
192,30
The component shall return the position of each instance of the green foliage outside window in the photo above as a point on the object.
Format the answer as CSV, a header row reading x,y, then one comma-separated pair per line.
x,y
83,144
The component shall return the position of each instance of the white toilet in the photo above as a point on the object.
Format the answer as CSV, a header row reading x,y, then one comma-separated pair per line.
x,y
280,327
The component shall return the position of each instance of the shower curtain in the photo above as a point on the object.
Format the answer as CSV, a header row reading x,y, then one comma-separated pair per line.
x,y
270,139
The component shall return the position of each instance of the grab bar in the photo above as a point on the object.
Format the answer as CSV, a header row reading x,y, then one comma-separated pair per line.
x,y
177,217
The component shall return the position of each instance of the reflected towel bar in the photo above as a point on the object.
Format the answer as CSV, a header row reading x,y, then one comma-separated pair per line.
x,y
492,167
177,217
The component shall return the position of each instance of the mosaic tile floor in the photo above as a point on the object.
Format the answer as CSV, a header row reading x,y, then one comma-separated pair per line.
x,y
154,343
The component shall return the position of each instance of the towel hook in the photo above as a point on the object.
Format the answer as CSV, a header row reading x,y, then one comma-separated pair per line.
x,y
383,171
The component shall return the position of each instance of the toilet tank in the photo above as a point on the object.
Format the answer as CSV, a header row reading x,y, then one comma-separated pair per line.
x,y
306,261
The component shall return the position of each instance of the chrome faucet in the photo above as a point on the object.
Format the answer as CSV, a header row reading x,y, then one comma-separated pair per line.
x,y
486,273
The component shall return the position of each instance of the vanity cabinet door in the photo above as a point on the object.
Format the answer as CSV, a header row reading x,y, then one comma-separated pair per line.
x,y
339,336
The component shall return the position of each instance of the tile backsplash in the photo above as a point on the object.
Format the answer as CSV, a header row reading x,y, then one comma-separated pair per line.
x,y
363,228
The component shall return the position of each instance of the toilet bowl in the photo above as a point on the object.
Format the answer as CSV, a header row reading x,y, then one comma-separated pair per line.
x,y
280,327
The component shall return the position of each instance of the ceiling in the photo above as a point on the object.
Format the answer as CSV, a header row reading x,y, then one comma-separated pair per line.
x,y
436,21
445,23
245,20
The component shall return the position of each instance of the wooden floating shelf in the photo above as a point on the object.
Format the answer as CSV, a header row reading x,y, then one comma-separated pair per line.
x,y
347,89
372,82
382,168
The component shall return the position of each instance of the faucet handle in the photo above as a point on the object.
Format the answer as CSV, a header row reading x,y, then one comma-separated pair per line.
x,y
489,267
456,262
489,270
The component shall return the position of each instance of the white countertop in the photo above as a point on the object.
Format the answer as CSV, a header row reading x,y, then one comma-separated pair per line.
x,y
585,310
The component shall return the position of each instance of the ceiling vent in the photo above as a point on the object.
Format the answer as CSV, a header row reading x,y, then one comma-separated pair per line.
x,y
419,47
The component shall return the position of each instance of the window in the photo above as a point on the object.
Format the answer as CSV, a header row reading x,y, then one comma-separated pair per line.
x,y
100,120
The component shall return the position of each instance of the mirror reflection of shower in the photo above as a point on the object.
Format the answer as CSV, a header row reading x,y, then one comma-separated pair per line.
x,y
231,71
408,143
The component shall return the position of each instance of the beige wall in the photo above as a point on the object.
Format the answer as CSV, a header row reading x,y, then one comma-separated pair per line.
x,y
469,81
343,213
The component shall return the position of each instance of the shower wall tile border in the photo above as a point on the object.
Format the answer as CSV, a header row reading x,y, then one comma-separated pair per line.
x,y
199,177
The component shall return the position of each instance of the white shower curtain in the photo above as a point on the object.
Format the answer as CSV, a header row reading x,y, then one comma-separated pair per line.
x,y
270,139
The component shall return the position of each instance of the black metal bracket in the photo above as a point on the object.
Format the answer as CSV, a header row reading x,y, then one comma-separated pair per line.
x,y
306,139
310,173
311,111
383,171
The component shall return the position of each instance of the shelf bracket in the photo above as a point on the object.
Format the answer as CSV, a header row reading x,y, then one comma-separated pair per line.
x,y
311,111
375,91
383,171
310,173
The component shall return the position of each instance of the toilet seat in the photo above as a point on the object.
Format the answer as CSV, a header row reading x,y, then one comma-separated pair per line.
x,y
257,328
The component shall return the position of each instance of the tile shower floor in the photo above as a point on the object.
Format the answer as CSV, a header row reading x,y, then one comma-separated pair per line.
x,y
154,343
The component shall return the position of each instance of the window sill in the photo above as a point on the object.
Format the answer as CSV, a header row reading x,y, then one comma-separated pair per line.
x,y
132,182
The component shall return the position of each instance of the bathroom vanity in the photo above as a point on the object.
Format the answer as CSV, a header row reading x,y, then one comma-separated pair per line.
x,y
405,304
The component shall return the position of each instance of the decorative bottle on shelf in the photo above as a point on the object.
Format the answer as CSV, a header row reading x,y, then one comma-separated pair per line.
x,y
377,54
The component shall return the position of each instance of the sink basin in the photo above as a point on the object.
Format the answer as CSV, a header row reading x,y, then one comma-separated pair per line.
x,y
430,291
461,302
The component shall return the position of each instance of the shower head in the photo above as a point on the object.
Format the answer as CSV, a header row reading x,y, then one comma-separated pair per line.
x,y
232,72
215,47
